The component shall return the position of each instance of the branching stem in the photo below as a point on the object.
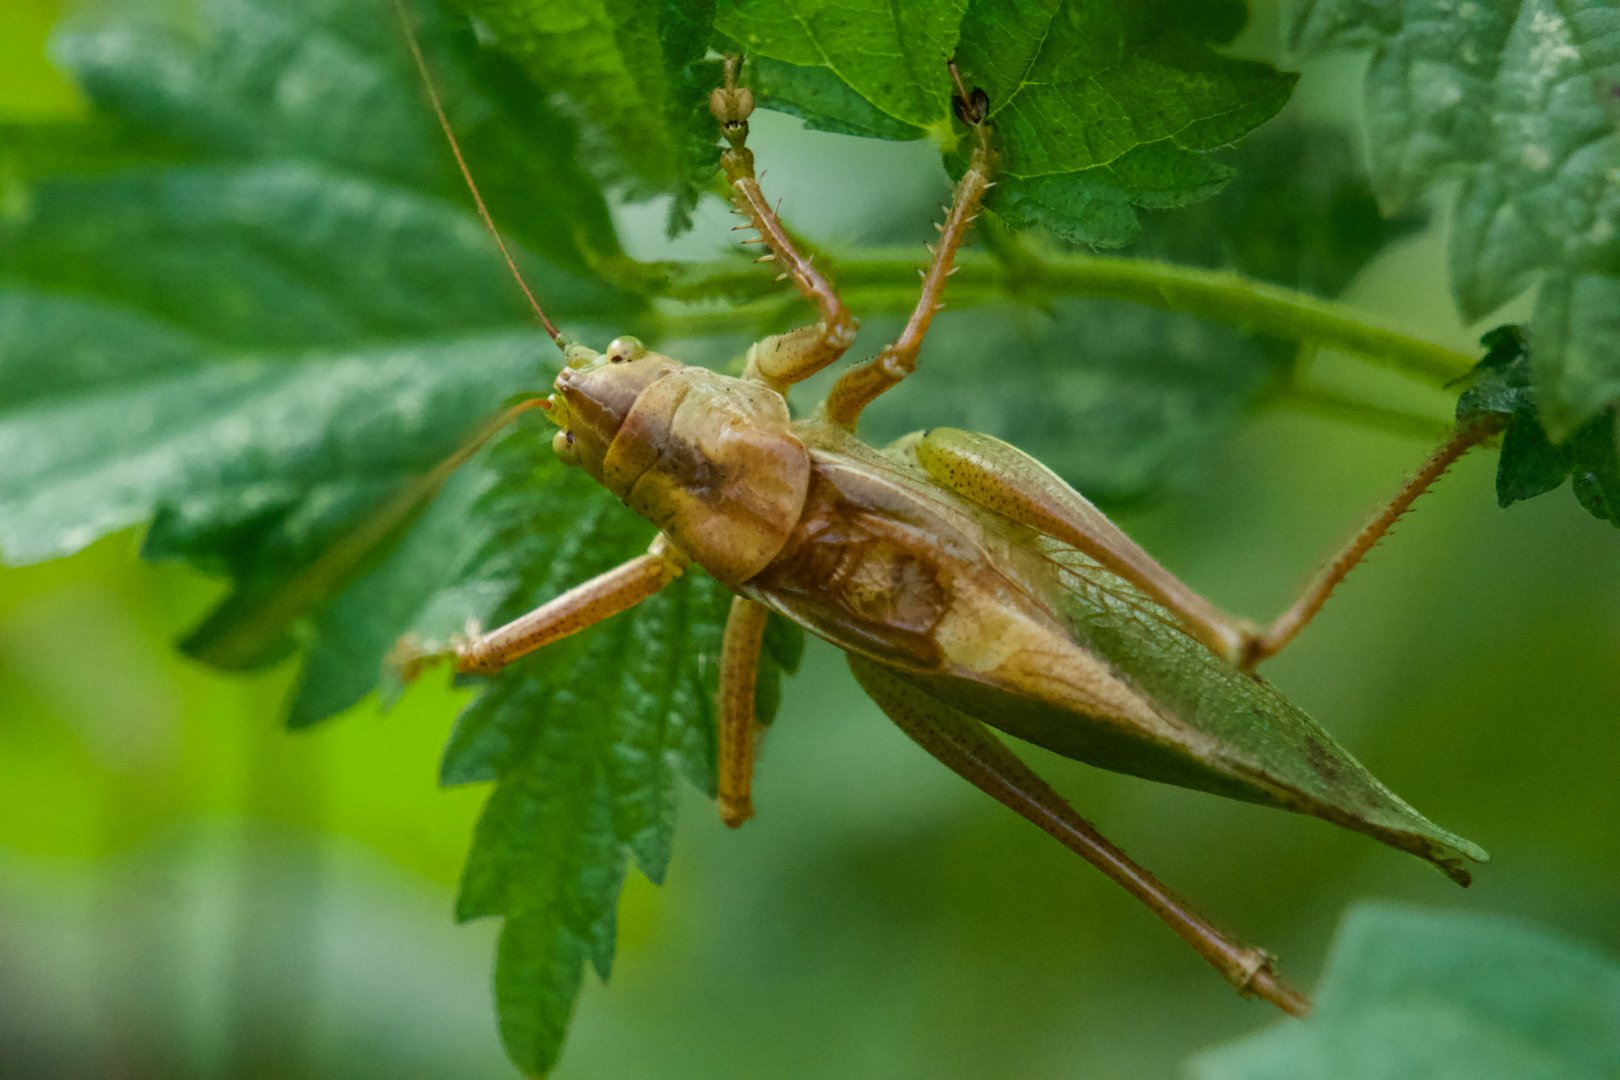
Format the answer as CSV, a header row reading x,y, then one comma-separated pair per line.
x,y
878,281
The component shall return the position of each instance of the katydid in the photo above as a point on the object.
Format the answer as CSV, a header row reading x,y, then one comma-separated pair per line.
x,y
971,588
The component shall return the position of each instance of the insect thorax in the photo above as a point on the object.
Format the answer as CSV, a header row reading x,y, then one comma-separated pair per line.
x,y
708,459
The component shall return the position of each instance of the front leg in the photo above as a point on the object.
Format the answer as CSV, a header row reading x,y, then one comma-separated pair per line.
x,y
782,359
860,386
965,746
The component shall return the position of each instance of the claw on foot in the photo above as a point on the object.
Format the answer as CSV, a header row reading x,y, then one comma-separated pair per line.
x,y
410,656
734,811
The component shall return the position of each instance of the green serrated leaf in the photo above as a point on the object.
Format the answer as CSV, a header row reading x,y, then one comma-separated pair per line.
x,y
635,70
891,55
582,739
1110,98
351,637
1151,390
1532,463
823,101
1100,108
316,317
1098,205
1517,101
1412,994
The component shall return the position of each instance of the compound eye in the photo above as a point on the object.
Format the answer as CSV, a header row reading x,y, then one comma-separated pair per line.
x,y
623,349
562,444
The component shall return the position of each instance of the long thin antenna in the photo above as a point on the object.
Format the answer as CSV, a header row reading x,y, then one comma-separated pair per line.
x,y
466,173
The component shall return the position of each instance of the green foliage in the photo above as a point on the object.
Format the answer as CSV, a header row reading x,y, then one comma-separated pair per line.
x,y
1412,994
315,321
1518,101
249,306
266,343
582,741
1099,108
637,71
891,57
1153,390
1532,463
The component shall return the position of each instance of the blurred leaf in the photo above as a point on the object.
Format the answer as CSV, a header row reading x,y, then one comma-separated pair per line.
x,y
783,649
582,739
1412,994
420,580
1531,463
1520,101
635,70
1099,108
1120,399
315,317
1311,229
1595,449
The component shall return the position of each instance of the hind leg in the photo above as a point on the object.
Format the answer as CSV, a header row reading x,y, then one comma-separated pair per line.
x,y
1008,481
967,748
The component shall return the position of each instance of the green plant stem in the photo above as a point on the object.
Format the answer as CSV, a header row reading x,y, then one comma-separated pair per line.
x,y
883,282
1336,406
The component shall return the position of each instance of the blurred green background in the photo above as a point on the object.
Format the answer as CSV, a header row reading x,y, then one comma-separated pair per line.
x,y
187,890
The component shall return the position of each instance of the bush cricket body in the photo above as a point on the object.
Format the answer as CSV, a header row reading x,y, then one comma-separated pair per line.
x,y
969,586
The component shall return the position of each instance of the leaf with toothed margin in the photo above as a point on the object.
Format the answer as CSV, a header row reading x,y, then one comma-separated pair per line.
x,y
1517,104
262,329
582,739
635,71
1532,463
1100,109
258,311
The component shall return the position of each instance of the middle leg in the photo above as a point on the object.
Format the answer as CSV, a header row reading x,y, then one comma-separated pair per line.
x,y
737,721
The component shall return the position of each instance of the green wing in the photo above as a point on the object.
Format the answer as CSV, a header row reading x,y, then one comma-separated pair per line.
x,y
1255,743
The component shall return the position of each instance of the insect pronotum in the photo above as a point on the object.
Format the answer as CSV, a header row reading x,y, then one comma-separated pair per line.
x,y
969,586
